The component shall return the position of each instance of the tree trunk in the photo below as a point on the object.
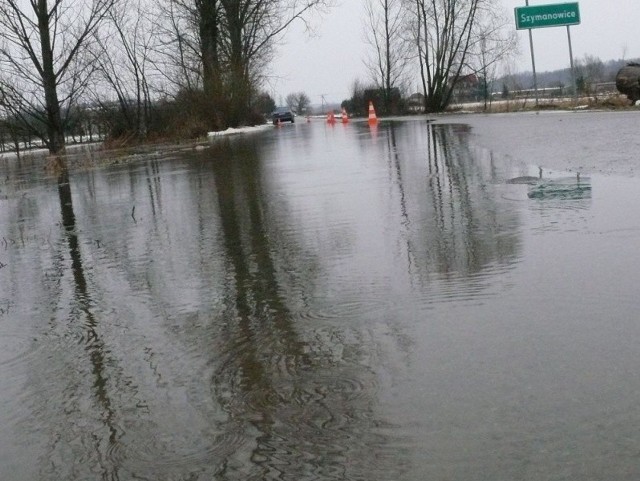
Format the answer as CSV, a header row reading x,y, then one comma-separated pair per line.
x,y
211,71
239,85
55,128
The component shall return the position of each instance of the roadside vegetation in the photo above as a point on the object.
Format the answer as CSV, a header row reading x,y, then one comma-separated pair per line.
x,y
136,70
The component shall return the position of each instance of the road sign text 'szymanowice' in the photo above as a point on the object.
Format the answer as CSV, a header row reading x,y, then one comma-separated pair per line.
x,y
555,15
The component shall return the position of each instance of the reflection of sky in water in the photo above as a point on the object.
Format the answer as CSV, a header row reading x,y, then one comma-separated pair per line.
x,y
320,303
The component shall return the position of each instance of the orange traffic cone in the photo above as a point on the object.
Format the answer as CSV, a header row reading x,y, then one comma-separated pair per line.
x,y
345,117
331,118
373,119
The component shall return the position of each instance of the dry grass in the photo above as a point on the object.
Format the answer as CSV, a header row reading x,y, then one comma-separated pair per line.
x,y
606,102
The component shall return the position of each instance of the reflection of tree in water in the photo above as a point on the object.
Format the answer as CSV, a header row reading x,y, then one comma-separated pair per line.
x,y
221,285
290,391
463,227
68,432
304,410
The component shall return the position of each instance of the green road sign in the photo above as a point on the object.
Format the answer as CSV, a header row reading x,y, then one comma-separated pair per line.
x,y
539,16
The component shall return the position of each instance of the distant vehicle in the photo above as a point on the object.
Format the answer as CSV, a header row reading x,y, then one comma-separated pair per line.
x,y
282,114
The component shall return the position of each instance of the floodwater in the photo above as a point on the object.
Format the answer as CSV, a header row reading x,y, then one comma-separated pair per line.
x,y
315,302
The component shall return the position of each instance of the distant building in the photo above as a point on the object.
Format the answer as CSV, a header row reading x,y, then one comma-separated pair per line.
x,y
466,87
415,103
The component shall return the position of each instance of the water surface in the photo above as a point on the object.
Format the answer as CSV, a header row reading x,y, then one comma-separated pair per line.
x,y
316,302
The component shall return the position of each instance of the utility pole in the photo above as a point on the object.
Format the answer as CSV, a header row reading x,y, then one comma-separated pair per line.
x,y
324,102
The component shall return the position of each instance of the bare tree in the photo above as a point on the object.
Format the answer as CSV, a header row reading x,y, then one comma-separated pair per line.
x,y
444,35
12,130
42,47
179,54
253,27
590,71
233,41
209,15
385,25
494,42
121,52
298,102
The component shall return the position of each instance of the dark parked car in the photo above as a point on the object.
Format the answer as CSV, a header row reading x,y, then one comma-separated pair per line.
x,y
282,114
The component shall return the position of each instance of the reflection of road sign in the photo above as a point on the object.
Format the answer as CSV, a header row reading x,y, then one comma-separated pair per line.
x,y
539,16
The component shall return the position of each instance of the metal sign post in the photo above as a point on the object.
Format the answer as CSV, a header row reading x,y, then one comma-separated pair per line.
x,y
573,71
533,63
540,16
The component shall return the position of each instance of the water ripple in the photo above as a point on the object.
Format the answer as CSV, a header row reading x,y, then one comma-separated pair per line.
x,y
172,452
17,350
357,307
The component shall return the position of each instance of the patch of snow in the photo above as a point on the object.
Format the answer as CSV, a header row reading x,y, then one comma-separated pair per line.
x,y
240,130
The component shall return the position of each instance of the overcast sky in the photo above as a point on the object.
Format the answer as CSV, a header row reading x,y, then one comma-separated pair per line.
x,y
328,62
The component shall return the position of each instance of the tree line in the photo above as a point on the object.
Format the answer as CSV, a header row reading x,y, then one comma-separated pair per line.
x,y
441,42
138,68
458,49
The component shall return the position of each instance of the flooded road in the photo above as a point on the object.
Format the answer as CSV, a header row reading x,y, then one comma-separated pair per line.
x,y
315,302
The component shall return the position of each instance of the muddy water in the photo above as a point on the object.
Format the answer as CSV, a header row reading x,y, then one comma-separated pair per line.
x,y
319,303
